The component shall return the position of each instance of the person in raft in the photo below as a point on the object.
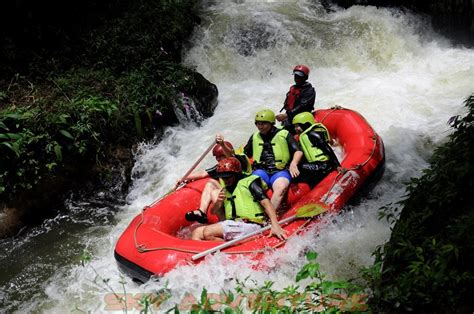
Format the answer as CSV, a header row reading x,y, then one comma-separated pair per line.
x,y
242,203
300,97
220,151
319,158
275,154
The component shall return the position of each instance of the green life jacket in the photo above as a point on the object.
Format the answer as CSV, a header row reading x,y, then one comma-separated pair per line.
x,y
279,147
321,129
241,204
311,152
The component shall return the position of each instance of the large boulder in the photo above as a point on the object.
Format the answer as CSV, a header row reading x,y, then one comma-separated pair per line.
x,y
204,94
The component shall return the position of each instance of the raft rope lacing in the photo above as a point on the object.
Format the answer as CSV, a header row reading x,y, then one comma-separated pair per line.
x,y
142,248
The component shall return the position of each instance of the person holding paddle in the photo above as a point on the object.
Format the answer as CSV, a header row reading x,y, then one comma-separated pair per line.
x,y
242,203
221,150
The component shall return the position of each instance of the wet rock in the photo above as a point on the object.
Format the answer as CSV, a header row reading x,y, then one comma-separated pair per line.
x,y
10,221
203,93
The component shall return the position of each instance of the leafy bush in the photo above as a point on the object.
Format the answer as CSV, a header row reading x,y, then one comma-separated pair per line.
x,y
36,141
428,264
318,295
118,89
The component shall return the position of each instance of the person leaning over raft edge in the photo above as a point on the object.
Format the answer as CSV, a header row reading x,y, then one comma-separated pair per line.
x,y
299,98
275,154
243,204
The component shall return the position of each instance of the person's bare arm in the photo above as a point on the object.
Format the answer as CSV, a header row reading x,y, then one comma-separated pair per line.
x,y
281,116
276,229
294,164
199,174
297,155
228,152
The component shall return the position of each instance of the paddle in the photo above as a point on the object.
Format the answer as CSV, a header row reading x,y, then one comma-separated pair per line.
x,y
306,211
198,161
185,175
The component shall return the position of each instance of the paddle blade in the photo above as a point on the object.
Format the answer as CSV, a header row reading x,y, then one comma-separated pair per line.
x,y
311,210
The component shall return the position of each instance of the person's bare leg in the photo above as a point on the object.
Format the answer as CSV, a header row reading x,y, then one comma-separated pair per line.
x,y
207,194
214,232
280,186
217,210
198,233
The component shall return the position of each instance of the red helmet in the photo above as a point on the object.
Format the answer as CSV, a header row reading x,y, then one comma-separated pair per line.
x,y
301,69
229,166
218,151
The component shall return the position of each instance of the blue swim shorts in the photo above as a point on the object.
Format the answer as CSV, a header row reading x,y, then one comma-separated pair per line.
x,y
269,180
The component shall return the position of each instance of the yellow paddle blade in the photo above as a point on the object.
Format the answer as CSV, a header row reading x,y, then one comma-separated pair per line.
x,y
239,150
311,210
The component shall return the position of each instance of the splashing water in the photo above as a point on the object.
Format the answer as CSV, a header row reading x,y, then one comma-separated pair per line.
x,y
389,65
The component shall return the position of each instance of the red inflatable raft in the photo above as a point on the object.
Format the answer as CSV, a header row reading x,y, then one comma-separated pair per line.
x,y
150,245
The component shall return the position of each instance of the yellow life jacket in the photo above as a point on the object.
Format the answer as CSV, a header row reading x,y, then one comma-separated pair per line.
x,y
311,152
279,147
240,204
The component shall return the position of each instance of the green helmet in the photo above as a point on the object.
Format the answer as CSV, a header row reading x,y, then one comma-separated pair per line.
x,y
304,117
265,115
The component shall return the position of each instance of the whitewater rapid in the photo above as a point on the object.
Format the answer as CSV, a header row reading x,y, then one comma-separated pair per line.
x,y
388,65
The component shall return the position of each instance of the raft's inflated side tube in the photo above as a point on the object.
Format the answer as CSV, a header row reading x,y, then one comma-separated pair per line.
x,y
149,245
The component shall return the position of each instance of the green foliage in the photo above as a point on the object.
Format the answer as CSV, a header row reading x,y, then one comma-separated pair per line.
x,y
149,30
52,36
125,79
318,295
428,264
36,141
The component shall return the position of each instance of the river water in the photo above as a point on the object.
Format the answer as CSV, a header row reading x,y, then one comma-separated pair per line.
x,y
406,80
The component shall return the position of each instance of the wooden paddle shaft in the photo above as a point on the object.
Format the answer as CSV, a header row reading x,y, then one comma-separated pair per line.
x,y
198,161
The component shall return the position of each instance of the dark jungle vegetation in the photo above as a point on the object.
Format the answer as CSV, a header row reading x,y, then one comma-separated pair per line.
x,y
80,83
428,264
